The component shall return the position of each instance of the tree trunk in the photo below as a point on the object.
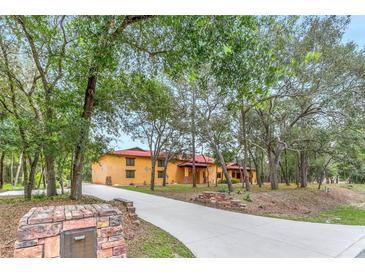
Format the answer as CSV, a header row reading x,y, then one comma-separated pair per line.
x,y
258,169
29,185
302,169
2,169
273,167
25,175
224,168
78,163
246,180
61,183
166,162
286,176
18,169
41,177
153,171
12,168
320,180
50,175
193,139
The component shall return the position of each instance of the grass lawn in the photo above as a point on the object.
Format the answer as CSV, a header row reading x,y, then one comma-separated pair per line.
x,y
187,188
347,215
145,240
339,206
156,243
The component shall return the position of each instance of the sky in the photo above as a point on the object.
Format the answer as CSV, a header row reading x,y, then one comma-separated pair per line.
x,y
355,32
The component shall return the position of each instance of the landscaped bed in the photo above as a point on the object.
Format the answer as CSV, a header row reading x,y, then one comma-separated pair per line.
x,y
343,203
144,240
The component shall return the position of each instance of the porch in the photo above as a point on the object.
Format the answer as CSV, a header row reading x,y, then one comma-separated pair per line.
x,y
201,173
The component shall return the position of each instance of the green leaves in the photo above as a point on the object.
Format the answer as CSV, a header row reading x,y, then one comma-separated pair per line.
x,y
227,50
312,56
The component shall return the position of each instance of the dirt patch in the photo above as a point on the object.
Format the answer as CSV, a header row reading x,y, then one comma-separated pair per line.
x,y
13,208
290,202
300,202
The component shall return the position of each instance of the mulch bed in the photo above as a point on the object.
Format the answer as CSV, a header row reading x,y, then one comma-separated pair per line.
x,y
13,208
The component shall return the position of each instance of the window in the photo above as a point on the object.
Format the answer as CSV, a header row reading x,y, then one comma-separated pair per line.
x,y
160,163
161,174
219,175
129,161
130,173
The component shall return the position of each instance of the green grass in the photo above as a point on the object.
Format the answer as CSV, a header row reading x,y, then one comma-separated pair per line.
x,y
156,243
188,188
171,188
345,214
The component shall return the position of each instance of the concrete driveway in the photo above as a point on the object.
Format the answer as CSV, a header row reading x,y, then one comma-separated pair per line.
x,y
210,232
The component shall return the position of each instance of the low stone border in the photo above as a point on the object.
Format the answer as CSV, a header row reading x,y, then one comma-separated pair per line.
x,y
130,209
219,200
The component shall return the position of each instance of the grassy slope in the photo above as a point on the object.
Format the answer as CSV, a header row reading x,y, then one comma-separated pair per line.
x,y
156,243
347,215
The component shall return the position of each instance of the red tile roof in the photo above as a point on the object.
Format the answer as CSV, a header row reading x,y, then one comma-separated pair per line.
x,y
190,164
133,152
136,151
198,159
236,166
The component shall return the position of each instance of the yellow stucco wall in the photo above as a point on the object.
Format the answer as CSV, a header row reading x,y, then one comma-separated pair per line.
x,y
115,167
251,172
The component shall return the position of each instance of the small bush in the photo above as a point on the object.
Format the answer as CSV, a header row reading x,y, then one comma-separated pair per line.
x,y
40,196
8,187
247,197
233,181
222,189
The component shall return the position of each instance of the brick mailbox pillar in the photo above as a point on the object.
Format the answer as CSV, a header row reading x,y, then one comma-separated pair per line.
x,y
74,231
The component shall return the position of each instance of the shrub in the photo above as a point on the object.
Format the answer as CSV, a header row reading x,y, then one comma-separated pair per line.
x,y
40,196
222,189
8,187
234,181
247,197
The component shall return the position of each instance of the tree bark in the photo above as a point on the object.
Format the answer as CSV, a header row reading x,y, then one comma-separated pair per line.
x,y
12,168
18,169
287,182
166,162
25,175
78,163
2,169
303,169
193,139
257,167
224,168
153,171
273,167
28,187
50,175
41,177
246,180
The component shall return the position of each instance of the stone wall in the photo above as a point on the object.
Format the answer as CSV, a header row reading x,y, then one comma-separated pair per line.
x,y
39,231
219,200
131,210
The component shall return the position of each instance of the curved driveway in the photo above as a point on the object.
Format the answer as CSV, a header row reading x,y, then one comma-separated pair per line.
x,y
210,232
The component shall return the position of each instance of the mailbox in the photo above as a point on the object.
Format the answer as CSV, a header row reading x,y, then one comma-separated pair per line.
x,y
80,243
71,231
